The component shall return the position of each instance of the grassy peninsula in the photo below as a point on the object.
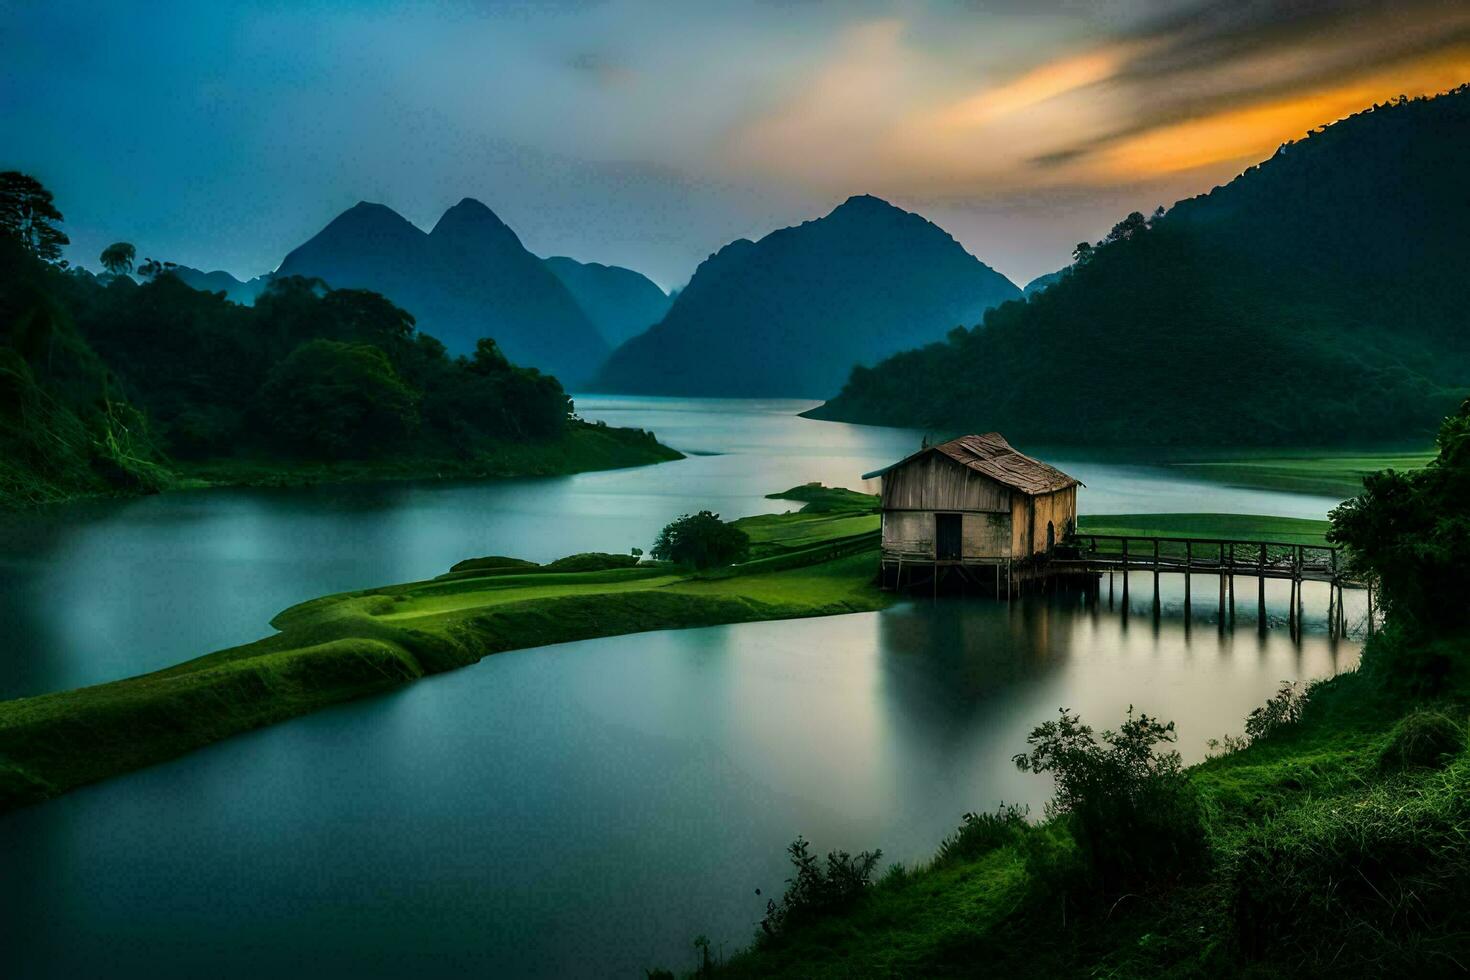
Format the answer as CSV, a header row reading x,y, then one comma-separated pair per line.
x,y
815,562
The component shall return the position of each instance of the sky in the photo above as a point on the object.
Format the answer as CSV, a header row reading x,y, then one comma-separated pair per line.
x,y
649,133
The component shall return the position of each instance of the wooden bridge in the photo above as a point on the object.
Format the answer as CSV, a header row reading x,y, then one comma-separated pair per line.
x,y
1087,557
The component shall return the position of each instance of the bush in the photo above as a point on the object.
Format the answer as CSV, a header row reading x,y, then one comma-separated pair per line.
x,y
1133,811
1371,885
980,833
490,563
1423,739
701,540
813,891
592,561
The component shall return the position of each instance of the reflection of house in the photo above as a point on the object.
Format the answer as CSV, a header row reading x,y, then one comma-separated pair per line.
x,y
973,501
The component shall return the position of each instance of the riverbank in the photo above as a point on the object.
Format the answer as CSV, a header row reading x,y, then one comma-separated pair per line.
x,y
1325,472
815,562
1335,845
585,447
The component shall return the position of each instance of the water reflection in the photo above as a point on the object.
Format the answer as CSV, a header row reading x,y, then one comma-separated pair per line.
x,y
586,809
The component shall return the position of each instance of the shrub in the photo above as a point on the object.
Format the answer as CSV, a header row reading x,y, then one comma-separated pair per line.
x,y
1133,811
980,833
1280,710
1424,739
701,540
490,562
592,561
815,891
1371,885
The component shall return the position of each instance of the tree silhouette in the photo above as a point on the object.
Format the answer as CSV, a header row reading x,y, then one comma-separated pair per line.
x,y
117,258
27,215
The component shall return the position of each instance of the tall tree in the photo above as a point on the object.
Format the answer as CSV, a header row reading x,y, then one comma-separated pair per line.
x,y
28,215
117,258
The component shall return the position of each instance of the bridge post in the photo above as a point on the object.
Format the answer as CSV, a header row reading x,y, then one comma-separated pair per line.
x,y
1232,583
1188,565
1261,590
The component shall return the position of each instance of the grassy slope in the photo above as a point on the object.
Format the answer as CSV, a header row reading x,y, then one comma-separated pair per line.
x,y
1246,527
991,912
1330,474
346,646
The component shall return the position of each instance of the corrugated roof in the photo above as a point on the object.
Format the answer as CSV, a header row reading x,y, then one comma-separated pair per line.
x,y
991,455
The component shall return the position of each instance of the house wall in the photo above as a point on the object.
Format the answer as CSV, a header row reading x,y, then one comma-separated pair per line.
x,y
911,532
936,482
1029,516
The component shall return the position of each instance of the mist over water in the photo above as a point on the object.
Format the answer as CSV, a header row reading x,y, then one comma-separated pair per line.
x,y
583,809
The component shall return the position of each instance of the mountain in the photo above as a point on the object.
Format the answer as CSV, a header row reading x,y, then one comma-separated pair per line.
x,y
220,281
470,277
620,302
1041,282
790,315
1317,298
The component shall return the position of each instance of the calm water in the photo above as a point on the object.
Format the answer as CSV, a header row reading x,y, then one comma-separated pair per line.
x,y
585,809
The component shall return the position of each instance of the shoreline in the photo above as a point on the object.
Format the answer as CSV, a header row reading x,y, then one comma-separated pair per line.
x,y
586,448
816,561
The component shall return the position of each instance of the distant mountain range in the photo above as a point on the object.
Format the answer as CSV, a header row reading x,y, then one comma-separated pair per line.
x,y
1041,283
620,302
1317,298
220,281
791,314
470,277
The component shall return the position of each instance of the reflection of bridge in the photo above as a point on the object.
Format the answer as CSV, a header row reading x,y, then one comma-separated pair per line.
x,y
1092,554
1085,557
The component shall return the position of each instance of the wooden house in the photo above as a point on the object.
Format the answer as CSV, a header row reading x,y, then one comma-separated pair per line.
x,y
973,501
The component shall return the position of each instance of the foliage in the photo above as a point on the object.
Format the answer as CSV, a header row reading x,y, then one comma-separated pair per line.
x,y
338,400
118,257
1321,322
1134,812
592,561
701,540
1410,532
28,216
979,833
814,890
1422,739
1280,710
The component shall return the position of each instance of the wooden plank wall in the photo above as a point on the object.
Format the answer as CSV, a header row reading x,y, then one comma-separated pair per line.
x,y
936,482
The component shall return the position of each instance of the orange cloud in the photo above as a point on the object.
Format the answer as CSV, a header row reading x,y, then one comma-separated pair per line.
x,y
1253,132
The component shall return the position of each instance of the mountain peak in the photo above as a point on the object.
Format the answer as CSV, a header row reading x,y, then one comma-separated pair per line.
x,y
865,203
472,215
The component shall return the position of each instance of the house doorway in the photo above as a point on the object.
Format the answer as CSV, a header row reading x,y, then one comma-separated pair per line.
x,y
948,536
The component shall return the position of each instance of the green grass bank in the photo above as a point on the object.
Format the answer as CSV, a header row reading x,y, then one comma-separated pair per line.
x,y
815,562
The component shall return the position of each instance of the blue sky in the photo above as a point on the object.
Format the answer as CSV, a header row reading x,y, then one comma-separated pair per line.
x,y
648,134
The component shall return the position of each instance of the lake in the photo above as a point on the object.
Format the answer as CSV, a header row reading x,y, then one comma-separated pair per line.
x,y
583,809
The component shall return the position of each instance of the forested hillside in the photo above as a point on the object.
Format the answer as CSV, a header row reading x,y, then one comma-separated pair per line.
x,y
1317,298
107,384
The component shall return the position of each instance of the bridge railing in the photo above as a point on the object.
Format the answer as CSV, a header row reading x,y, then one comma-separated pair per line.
x,y
1214,555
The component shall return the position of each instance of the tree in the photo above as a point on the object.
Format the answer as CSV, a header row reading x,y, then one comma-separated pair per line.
x,y
338,400
28,215
117,258
701,540
153,268
1410,534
